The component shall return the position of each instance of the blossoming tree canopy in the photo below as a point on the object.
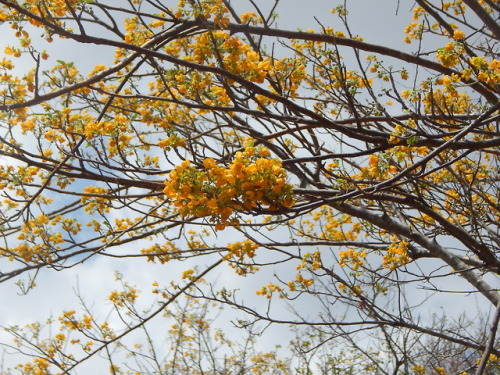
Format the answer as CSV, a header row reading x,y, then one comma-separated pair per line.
x,y
343,171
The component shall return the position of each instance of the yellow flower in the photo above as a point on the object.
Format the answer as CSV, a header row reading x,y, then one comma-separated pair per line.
x,y
157,23
209,163
457,35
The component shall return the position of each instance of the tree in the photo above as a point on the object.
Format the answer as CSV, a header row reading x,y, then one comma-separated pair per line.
x,y
357,173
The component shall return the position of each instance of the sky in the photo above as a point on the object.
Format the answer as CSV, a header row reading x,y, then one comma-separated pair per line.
x,y
95,278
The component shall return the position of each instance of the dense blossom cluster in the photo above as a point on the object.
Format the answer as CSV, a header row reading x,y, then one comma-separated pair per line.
x,y
251,181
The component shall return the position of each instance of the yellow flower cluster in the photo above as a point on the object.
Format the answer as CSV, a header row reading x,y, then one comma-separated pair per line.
x,y
353,258
249,17
238,251
413,32
334,225
302,282
419,370
251,181
263,362
447,56
95,199
238,57
39,241
172,141
135,33
439,100
53,8
485,71
72,323
378,168
310,261
241,249
128,296
220,11
39,366
189,274
269,289
161,252
3,16
396,255
457,6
